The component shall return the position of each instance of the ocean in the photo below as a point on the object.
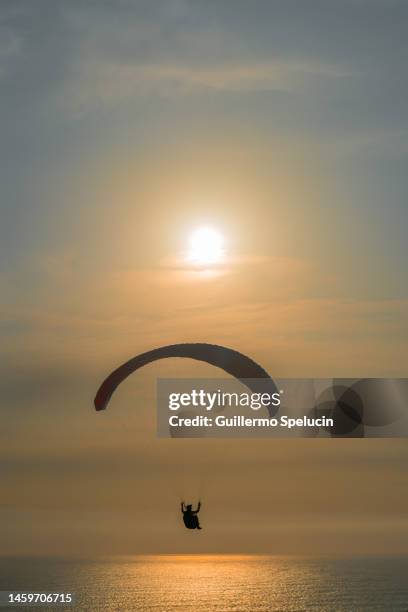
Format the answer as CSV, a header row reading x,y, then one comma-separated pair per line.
x,y
221,583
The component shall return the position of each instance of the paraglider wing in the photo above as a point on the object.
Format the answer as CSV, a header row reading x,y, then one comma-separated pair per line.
x,y
234,363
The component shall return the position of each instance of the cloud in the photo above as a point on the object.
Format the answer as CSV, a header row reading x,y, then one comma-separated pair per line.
x,y
184,49
105,83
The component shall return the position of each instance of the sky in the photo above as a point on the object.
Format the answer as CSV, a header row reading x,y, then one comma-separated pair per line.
x,y
124,127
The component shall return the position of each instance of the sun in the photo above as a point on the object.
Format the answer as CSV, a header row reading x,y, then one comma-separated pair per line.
x,y
206,247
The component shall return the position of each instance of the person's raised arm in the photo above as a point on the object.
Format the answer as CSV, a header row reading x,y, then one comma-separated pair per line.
x,y
182,507
198,507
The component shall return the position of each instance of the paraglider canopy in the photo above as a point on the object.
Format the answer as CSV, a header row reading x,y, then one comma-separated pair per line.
x,y
234,363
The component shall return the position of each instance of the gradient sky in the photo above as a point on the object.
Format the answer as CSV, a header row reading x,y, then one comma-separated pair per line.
x,y
124,126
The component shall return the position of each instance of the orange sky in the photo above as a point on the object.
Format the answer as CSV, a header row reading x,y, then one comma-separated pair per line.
x,y
132,132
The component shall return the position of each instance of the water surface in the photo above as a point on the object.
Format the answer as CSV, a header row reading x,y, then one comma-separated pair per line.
x,y
217,583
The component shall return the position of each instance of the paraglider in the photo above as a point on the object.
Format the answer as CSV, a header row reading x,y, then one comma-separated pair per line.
x,y
190,517
234,363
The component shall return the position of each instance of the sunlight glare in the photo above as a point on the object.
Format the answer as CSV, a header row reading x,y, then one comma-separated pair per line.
x,y
205,247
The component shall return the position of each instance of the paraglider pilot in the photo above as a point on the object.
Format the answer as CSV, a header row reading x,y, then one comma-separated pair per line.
x,y
190,517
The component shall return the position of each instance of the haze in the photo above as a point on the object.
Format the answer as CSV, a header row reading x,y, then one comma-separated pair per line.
x,y
124,127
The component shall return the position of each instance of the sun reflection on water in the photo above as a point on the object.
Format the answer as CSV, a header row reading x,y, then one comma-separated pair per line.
x,y
244,583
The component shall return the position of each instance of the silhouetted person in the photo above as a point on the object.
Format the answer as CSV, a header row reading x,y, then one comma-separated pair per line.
x,y
190,517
